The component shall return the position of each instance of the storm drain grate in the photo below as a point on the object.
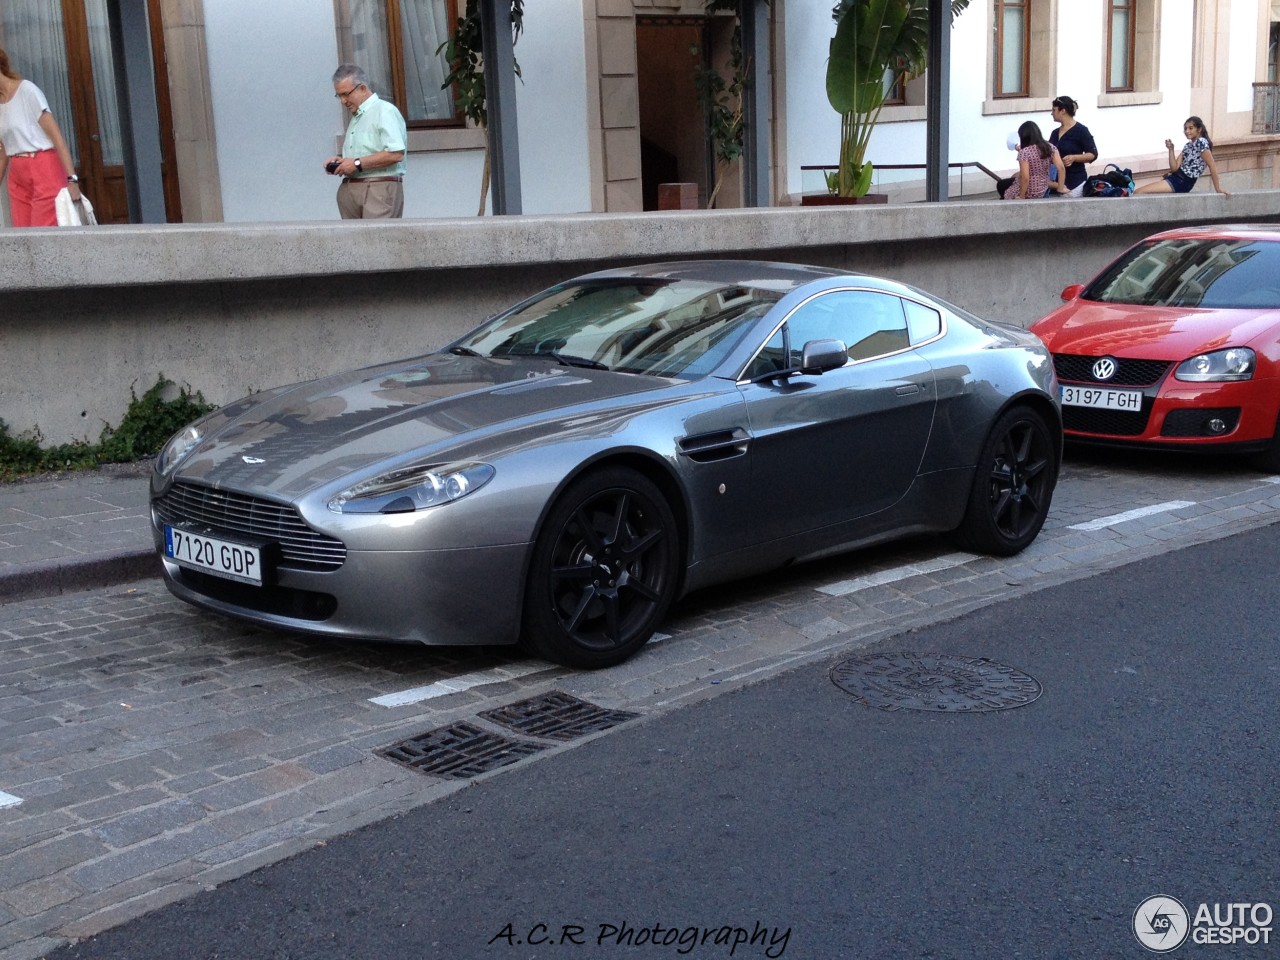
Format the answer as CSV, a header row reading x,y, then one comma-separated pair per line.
x,y
946,684
459,750
556,716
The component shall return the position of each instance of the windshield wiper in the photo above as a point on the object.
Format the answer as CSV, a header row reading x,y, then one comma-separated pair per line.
x,y
463,352
569,360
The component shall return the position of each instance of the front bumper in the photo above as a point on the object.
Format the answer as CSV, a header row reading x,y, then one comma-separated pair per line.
x,y
1217,416
440,597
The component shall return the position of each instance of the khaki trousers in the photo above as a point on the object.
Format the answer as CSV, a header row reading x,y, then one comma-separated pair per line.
x,y
381,199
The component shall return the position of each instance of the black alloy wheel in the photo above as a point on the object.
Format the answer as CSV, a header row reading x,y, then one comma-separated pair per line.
x,y
1013,485
604,570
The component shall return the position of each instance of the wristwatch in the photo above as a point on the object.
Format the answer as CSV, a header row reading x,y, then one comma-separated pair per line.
x,y
359,167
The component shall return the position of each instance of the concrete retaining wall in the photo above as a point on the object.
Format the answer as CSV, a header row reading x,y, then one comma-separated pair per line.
x,y
229,308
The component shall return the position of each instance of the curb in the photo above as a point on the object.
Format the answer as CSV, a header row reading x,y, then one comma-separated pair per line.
x,y
53,578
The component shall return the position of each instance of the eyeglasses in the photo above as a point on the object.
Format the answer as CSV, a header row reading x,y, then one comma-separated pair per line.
x,y
343,94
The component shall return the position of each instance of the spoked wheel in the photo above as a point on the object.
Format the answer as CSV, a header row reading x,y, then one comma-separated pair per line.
x,y
1013,485
604,571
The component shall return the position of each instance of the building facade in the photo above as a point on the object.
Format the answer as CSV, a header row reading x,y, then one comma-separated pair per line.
x,y
607,104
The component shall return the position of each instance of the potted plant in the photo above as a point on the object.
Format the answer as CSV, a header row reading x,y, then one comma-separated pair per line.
x,y
877,43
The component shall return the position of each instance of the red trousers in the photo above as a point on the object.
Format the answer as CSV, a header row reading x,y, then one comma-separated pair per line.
x,y
34,182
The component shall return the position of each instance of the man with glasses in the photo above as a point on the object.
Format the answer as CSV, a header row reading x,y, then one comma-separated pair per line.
x,y
372,161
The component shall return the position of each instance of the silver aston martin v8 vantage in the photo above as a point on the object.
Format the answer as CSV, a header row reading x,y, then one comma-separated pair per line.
x,y
563,473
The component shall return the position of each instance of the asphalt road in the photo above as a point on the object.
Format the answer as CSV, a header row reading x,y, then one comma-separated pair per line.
x,y
826,828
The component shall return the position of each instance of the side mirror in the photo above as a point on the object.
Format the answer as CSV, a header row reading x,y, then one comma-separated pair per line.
x,y
820,356
1073,291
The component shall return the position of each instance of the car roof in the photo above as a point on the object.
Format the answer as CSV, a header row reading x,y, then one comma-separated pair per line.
x,y
1269,232
761,274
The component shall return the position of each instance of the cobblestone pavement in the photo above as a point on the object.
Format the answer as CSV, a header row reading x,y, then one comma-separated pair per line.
x,y
152,750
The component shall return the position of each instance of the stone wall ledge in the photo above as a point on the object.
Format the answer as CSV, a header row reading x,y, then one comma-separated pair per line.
x,y
138,255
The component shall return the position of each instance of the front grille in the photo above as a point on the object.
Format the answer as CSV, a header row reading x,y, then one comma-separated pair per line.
x,y
1129,373
1195,423
1115,423
240,516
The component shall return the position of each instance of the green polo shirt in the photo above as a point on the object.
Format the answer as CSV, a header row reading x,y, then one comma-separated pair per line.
x,y
376,125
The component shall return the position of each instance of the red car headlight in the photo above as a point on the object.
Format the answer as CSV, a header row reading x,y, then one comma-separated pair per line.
x,y
1235,363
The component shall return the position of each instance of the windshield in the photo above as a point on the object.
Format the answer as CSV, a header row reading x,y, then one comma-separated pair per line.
x,y
669,328
1194,273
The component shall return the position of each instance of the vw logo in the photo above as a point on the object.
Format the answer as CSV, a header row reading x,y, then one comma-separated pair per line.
x,y
253,460
1104,369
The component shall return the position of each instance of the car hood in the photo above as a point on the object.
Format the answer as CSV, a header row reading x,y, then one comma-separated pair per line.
x,y
311,434
1092,329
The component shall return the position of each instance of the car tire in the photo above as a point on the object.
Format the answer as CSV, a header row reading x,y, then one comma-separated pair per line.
x,y
604,570
1012,485
1268,461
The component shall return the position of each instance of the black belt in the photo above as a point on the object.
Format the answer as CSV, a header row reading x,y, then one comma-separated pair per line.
x,y
372,179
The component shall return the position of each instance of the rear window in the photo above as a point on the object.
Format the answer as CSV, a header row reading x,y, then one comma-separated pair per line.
x,y
1217,274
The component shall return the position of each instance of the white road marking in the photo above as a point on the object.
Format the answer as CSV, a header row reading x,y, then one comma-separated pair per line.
x,y
1132,515
658,638
1271,479
893,574
442,688
9,800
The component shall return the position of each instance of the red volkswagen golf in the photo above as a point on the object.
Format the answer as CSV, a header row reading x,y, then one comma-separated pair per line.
x,y
1176,344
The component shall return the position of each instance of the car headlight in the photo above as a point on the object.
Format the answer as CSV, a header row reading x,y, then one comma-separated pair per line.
x,y
413,488
1235,363
179,445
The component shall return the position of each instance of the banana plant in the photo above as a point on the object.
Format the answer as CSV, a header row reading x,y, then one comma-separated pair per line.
x,y
877,43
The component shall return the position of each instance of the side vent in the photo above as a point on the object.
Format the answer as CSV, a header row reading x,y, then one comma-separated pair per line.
x,y
712,447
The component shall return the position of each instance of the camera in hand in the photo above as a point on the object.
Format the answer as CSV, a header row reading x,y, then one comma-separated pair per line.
x,y
332,166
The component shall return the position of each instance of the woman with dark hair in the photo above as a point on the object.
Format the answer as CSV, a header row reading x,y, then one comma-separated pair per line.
x,y
1186,169
1073,140
32,151
1036,157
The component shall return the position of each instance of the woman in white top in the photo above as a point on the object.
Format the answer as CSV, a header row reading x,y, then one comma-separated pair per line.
x,y
32,151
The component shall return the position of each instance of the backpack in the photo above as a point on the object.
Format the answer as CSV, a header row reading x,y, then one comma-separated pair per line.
x,y
1100,186
1111,182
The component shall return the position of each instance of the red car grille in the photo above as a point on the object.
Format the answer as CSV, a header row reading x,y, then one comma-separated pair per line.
x,y
1129,373
1114,423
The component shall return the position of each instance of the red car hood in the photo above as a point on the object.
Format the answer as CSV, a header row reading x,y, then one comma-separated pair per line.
x,y
1087,328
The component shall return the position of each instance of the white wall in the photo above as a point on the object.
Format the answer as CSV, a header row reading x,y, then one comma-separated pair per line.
x,y
1241,69
555,166
276,120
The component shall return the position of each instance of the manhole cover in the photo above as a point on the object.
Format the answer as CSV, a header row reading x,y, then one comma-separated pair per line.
x,y
907,681
460,750
556,716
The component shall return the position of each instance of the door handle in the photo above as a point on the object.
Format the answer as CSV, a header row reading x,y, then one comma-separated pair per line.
x,y
907,389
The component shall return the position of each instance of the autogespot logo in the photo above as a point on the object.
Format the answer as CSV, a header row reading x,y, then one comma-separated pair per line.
x,y
1161,924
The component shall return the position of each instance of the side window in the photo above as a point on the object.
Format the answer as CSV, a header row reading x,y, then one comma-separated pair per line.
x,y
771,359
870,324
925,323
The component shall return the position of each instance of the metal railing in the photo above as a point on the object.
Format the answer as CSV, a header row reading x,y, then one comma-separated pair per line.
x,y
1266,108
819,184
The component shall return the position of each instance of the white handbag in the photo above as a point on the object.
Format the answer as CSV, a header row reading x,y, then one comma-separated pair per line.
x,y
73,213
